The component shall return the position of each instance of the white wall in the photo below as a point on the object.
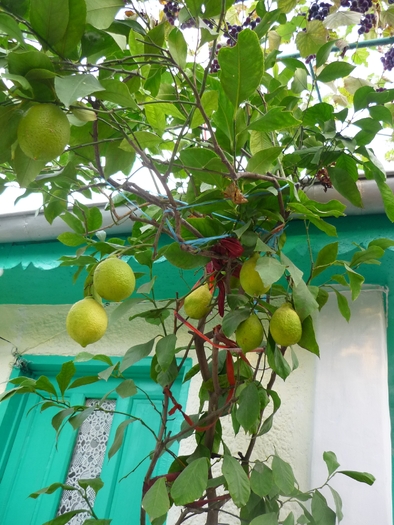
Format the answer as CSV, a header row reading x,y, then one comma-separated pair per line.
x,y
338,403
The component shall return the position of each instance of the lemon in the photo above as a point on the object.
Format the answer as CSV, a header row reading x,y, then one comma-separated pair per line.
x,y
43,132
250,279
86,321
285,326
113,279
197,303
249,333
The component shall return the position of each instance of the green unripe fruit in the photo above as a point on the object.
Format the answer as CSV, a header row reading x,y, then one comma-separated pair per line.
x,y
249,333
250,279
43,132
285,326
197,303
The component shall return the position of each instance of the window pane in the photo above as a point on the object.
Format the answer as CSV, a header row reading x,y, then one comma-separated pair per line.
x,y
87,460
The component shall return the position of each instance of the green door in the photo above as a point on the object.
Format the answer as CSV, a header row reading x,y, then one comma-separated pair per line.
x,y
31,458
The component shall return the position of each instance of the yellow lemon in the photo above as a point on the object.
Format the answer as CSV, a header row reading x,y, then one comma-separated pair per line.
x,y
250,279
43,132
249,333
197,303
86,321
285,326
113,279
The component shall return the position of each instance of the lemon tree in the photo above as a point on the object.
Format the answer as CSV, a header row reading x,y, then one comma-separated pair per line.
x,y
204,100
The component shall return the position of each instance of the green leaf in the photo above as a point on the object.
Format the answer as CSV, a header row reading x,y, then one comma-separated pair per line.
x,y
209,102
276,360
343,305
287,5
71,88
51,489
101,13
65,375
119,434
318,114
74,30
181,259
355,281
261,480
49,19
275,119
77,420
64,518
338,503
190,485
283,475
308,42
308,338
323,53
241,67
367,256
85,380
248,410
9,27
388,199
126,388
165,351
269,269
262,161
156,501
382,243
325,258
346,186
94,483
362,477
232,319
237,481
321,512
59,418
177,47
71,239
304,301
266,519
335,70
117,92
123,308
331,462
26,169
296,273
135,354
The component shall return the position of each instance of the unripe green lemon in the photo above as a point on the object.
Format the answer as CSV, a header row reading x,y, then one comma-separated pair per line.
x,y
43,132
113,279
197,303
285,326
249,333
250,279
86,321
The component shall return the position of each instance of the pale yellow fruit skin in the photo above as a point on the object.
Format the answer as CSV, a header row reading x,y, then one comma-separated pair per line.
x,y
44,132
250,279
86,321
197,303
113,279
285,326
249,333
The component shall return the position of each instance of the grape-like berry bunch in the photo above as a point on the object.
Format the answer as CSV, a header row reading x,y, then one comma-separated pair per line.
x,y
319,11
171,10
366,23
309,59
358,6
388,60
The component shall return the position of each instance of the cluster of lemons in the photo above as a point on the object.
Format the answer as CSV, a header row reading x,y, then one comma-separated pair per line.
x,y
285,325
87,320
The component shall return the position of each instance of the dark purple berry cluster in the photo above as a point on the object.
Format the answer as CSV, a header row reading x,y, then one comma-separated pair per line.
x,y
388,60
309,59
319,11
367,23
391,1
188,23
171,10
360,6
233,30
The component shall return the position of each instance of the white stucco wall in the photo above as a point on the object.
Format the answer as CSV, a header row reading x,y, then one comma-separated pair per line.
x,y
311,418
